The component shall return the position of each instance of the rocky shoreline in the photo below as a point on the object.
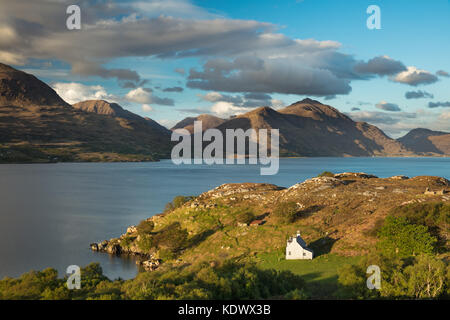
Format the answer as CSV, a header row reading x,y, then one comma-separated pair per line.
x,y
116,246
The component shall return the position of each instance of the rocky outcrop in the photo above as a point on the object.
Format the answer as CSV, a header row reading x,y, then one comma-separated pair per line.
x,y
150,264
110,246
434,193
399,177
359,175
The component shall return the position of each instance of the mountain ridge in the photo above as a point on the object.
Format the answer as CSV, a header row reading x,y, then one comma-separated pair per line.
x,y
36,125
310,128
427,142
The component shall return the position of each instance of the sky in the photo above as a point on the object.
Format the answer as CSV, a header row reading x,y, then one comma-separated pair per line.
x,y
170,59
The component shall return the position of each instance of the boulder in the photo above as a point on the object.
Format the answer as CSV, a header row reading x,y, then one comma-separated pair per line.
x,y
399,177
131,229
114,249
361,175
150,265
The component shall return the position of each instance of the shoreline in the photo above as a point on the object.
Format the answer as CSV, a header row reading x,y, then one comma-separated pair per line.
x,y
158,160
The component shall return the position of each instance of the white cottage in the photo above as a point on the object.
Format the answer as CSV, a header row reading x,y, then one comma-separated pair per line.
x,y
296,248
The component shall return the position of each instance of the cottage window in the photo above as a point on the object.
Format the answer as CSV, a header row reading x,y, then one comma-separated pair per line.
x,y
289,253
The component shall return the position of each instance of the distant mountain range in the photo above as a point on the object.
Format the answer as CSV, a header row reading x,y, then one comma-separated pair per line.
x,y
208,122
310,128
425,141
37,125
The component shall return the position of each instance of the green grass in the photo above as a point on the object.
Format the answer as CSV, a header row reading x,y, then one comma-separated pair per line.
x,y
320,274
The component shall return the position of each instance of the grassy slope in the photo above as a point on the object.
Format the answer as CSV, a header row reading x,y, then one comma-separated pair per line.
x,y
320,274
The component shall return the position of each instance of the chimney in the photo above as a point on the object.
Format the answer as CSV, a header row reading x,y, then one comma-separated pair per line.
x,y
298,233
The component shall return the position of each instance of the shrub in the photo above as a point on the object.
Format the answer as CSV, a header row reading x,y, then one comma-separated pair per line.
x,y
228,281
400,237
429,214
145,227
172,237
165,254
145,243
426,278
422,277
245,217
177,202
286,212
127,241
434,215
326,174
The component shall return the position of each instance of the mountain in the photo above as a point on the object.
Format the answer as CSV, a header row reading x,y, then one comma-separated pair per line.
x,y
208,122
310,128
21,89
425,141
103,107
37,125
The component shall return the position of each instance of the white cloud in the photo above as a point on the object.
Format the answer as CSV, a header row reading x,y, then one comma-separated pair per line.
x,y
225,105
147,108
414,77
277,104
445,115
73,92
145,96
12,58
139,95
226,109
173,8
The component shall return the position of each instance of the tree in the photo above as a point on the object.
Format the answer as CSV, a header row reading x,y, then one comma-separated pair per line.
x,y
177,202
426,278
400,237
145,227
286,212
245,217
172,237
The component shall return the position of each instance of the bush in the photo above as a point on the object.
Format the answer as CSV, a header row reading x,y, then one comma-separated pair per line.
x,y
245,217
400,237
286,212
434,215
228,281
172,237
145,243
326,174
422,277
426,278
145,227
165,254
177,202
429,214
127,241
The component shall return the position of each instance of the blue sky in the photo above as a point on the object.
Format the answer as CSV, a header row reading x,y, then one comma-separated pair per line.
x,y
125,52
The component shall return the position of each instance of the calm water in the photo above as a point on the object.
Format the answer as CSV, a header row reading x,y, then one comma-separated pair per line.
x,y
50,213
